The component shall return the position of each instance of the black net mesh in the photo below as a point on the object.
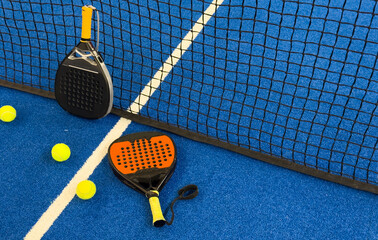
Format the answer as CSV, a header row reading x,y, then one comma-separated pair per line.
x,y
293,83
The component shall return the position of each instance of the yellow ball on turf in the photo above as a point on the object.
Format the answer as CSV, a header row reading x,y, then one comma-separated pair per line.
x,y
7,113
60,152
86,189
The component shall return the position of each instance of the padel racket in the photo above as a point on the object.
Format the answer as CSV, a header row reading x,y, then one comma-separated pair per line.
x,y
145,162
83,85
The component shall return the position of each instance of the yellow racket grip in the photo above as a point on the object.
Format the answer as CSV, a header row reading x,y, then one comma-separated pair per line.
x,y
86,26
158,219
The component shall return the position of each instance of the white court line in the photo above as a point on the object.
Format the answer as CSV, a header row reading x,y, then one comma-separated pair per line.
x,y
60,203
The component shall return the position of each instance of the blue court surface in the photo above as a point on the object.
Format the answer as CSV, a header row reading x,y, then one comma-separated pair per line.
x,y
239,197
276,92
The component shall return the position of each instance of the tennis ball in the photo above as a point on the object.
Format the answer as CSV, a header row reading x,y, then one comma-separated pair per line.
x,y
86,189
7,113
60,152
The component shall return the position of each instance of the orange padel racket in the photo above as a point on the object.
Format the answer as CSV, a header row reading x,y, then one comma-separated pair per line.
x,y
145,162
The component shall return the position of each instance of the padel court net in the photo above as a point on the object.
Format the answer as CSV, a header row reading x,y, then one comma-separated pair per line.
x,y
293,83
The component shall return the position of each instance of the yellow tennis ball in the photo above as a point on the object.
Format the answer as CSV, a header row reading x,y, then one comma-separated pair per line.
x,y
86,189
60,152
7,113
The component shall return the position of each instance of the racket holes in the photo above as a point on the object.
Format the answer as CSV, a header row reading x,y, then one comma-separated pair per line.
x,y
160,164
144,167
132,169
154,161
117,156
131,162
137,164
148,162
165,160
119,163
125,166
122,148
159,161
142,163
155,165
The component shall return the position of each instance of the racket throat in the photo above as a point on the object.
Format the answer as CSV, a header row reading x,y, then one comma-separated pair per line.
x,y
86,56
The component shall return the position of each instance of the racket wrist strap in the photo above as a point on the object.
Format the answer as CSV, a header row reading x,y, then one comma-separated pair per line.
x,y
185,193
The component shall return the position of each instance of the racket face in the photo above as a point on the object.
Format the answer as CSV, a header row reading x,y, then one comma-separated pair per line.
x,y
143,161
83,85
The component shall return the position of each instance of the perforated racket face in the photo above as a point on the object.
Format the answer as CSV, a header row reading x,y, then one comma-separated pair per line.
x,y
129,157
83,87
145,159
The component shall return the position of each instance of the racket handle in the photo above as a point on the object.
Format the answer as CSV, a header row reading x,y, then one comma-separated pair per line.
x,y
86,24
158,219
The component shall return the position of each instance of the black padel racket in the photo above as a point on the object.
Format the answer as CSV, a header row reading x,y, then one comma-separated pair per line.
x,y
83,85
145,162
